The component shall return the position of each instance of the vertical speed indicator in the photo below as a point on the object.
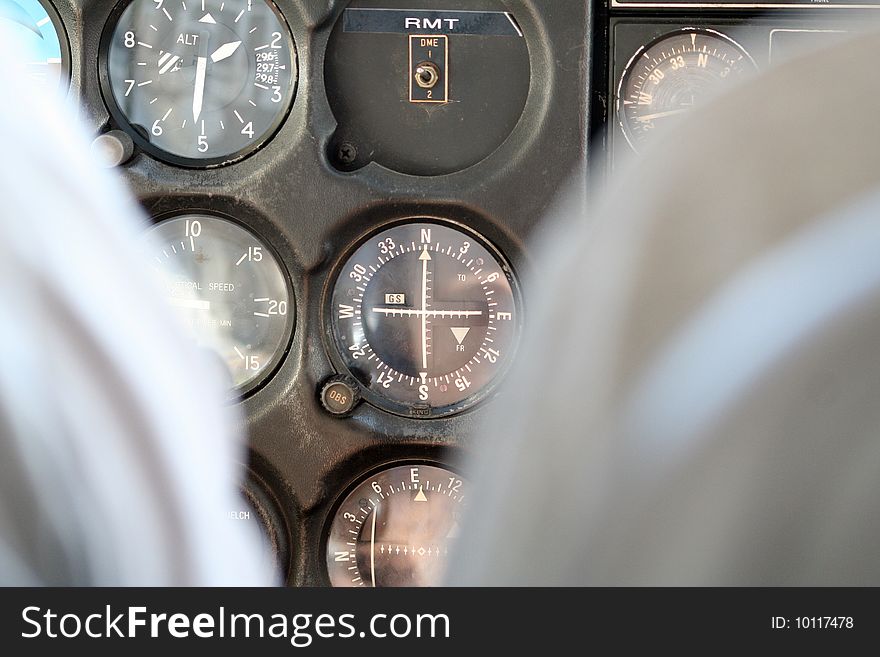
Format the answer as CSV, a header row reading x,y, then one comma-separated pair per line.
x,y
198,82
230,291
426,317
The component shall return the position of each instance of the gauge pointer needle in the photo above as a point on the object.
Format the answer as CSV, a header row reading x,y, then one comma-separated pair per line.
x,y
373,547
198,95
225,51
425,257
661,115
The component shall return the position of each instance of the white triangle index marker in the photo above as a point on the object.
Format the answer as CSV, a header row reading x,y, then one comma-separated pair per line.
x,y
420,496
460,332
207,18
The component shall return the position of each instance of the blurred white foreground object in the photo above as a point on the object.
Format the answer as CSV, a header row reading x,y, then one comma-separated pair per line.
x,y
118,459
713,416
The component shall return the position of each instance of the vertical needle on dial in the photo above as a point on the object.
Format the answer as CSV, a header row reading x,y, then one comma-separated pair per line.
x,y
373,546
198,95
425,257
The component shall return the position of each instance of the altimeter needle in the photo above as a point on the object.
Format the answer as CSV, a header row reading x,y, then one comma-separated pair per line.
x,y
224,51
199,93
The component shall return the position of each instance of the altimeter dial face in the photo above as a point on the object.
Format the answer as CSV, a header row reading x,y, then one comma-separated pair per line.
x,y
426,317
675,73
199,82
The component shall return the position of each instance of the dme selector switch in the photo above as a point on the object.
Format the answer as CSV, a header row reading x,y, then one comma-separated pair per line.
x,y
415,87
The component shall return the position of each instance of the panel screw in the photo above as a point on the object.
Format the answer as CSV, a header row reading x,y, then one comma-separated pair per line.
x,y
346,153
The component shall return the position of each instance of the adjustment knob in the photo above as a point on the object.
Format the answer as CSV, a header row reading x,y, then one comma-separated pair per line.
x,y
113,149
339,395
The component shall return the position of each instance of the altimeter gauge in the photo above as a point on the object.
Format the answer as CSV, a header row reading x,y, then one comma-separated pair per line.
x,y
199,82
426,317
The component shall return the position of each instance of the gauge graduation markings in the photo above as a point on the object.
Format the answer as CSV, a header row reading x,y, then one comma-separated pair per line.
x,y
188,45
682,68
213,294
426,313
405,312
44,57
393,532
416,307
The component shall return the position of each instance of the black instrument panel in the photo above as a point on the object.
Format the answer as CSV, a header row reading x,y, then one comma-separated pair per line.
x,y
357,126
481,165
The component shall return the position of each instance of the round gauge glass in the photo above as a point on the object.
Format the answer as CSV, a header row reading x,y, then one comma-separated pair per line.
x,y
426,317
230,290
199,82
396,528
670,76
40,40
